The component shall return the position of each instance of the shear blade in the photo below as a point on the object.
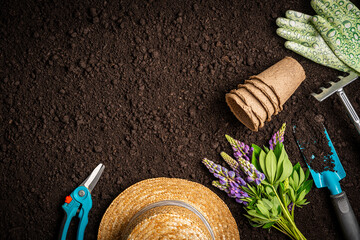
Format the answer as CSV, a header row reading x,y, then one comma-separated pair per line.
x,y
94,177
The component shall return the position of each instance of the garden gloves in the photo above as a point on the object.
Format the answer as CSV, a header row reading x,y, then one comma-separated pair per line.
x,y
331,38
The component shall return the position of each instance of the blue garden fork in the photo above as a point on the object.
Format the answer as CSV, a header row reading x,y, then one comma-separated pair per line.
x,y
79,201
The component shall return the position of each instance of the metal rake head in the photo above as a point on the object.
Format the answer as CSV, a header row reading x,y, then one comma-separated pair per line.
x,y
335,86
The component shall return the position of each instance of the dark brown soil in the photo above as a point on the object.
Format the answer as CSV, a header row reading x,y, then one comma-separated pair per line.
x,y
310,135
140,86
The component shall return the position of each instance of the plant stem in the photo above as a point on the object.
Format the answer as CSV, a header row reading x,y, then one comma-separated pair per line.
x,y
285,228
289,218
280,229
292,212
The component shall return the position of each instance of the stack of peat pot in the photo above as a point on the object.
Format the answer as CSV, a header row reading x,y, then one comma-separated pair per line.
x,y
264,95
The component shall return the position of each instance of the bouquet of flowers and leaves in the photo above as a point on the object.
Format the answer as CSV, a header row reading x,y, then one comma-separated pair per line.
x,y
265,181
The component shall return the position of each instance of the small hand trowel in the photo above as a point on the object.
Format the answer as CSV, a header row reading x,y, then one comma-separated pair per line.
x,y
330,179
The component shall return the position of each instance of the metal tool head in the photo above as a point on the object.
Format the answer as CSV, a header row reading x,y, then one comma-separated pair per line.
x,y
335,86
327,178
93,178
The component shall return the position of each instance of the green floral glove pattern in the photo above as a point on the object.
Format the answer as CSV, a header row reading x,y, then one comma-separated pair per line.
x,y
305,40
338,22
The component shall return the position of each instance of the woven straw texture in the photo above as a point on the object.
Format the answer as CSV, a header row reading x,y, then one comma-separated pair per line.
x,y
141,194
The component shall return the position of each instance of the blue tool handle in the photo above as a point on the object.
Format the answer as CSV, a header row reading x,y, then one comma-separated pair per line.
x,y
82,195
70,211
83,215
346,216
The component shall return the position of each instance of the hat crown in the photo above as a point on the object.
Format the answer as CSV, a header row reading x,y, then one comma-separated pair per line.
x,y
168,219
136,199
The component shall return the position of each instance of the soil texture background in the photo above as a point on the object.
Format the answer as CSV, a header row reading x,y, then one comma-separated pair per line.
x,y
140,86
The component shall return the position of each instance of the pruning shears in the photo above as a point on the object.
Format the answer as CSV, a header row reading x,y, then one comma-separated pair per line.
x,y
79,201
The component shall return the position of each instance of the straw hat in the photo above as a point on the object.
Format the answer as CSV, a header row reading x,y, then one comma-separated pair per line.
x,y
168,208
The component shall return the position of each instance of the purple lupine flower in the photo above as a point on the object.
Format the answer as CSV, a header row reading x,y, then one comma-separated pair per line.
x,y
228,181
216,175
217,168
244,194
221,187
231,174
222,181
260,175
250,173
234,185
241,150
240,181
226,178
235,192
233,164
290,206
278,137
249,179
238,194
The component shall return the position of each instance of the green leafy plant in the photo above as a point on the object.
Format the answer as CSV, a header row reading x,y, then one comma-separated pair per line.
x,y
266,182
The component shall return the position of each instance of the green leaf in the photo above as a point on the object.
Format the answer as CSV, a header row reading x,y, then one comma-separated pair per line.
x,y
301,202
268,225
279,210
301,176
278,150
255,156
254,213
274,213
265,182
292,182
262,161
307,173
297,167
292,194
287,199
262,208
256,150
307,185
270,162
280,166
269,190
287,169
301,195
281,188
275,201
295,176
286,156
266,149
254,224
267,203
279,171
286,166
251,188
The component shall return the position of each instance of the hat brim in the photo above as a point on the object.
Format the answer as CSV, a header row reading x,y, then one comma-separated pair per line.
x,y
149,191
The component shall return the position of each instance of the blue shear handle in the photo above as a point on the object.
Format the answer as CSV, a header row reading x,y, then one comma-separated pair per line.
x,y
84,201
70,211
83,215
